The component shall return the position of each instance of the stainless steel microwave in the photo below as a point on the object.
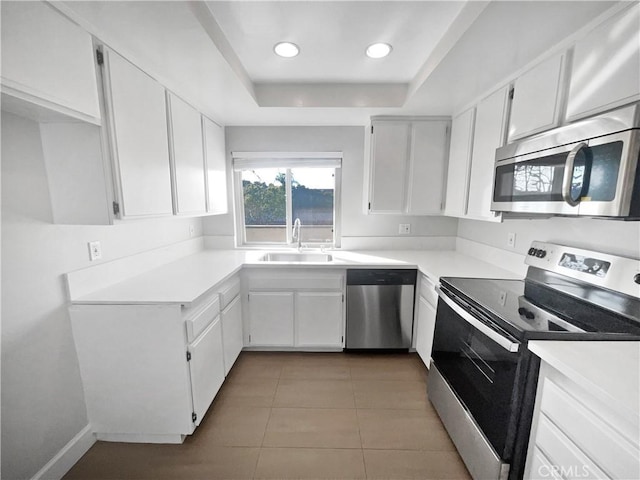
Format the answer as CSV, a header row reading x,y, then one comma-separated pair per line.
x,y
590,167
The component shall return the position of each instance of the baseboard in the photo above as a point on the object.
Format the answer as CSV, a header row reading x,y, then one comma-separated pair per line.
x,y
67,457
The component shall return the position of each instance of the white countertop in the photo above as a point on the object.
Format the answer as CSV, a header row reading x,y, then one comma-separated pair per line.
x,y
185,280
611,370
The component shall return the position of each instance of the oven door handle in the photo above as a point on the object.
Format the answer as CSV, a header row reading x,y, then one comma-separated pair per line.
x,y
504,342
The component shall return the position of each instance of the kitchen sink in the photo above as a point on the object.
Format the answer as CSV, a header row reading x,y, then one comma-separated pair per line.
x,y
302,257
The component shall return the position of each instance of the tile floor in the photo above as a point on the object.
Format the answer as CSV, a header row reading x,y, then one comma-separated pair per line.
x,y
301,416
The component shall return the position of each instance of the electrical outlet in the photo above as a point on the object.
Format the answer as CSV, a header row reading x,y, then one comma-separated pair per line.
x,y
191,230
95,251
511,240
404,229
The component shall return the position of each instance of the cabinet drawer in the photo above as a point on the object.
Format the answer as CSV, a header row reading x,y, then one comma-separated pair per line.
x,y
296,282
585,428
540,467
197,318
428,290
561,451
229,291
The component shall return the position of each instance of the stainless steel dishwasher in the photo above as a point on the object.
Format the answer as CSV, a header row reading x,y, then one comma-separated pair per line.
x,y
380,308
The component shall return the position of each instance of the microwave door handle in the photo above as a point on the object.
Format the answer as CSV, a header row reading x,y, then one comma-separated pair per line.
x,y
568,174
477,324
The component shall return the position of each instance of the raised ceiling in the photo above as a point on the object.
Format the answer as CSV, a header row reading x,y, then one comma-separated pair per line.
x,y
333,37
218,55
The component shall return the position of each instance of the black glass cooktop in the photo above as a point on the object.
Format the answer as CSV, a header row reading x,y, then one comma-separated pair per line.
x,y
528,309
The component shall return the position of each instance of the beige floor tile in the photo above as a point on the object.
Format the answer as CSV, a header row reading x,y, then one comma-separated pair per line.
x,y
247,392
252,366
312,427
310,463
233,426
405,464
402,430
310,371
314,394
397,372
389,394
318,358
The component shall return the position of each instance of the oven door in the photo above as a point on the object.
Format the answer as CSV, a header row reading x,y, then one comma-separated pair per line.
x,y
594,177
479,363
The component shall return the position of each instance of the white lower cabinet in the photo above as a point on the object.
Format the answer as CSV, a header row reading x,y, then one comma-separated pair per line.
x,y
206,367
319,319
231,318
149,372
575,434
271,319
426,305
292,308
232,338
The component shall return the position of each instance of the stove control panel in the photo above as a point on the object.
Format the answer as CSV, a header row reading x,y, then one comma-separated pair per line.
x,y
621,274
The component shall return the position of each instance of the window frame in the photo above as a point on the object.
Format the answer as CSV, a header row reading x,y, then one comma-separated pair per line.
x,y
286,161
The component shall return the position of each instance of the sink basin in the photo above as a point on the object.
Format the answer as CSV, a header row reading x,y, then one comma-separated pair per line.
x,y
305,257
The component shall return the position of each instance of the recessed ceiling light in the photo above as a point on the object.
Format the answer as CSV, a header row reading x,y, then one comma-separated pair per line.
x,y
286,49
378,50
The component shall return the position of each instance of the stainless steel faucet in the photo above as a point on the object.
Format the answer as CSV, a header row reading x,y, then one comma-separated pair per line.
x,y
296,234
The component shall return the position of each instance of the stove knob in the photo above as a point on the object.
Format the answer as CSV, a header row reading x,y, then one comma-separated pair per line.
x,y
541,253
636,278
522,310
532,251
529,315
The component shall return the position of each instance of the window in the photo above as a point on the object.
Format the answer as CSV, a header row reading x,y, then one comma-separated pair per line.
x,y
273,190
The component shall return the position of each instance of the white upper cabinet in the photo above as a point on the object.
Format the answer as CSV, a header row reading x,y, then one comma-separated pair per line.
x,y
606,66
136,107
459,162
389,159
537,99
408,160
187,157
489,134
216,165
47,61
427,167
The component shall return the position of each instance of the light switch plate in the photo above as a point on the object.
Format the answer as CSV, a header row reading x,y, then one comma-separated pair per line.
x,y
511,240
95,251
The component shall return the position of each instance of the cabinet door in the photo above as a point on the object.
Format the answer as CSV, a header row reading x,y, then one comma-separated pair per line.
x,y
206,368
606,66
489,133
271,319
319,319
427,167
232,339
138,124
459,162
47,57
216,162
536,99
389,160
187,157
426,327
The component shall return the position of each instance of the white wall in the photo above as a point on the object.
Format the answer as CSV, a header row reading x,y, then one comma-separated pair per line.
x,y
357,227
42,399
610,236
